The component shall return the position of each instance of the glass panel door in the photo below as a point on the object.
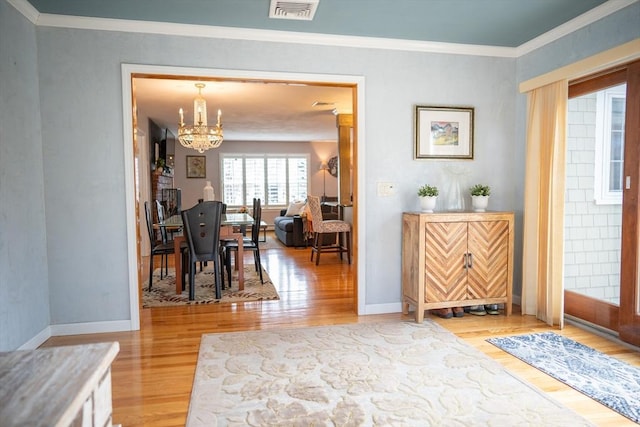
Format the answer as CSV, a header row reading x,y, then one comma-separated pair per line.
x,y
601,255
593,194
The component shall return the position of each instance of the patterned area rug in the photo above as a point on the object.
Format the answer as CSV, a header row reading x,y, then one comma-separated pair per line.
x,y
605,379
163,292
387,374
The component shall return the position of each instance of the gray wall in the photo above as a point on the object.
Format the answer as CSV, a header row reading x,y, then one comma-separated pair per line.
x,y
81,108
24,290
74,63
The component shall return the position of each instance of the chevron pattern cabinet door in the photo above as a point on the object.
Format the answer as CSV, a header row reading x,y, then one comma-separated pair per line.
x,y
488,246
445,272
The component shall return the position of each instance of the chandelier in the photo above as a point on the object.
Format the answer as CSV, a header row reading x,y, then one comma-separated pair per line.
x,y
199,136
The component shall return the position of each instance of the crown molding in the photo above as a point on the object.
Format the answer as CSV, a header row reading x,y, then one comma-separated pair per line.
x,y
575,24
188,30
26,9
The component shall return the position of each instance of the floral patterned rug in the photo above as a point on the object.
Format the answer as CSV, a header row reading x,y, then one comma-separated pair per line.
x,y
385,373
163,291
613,383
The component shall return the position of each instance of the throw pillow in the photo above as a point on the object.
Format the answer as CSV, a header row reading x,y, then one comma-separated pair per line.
x,y
294,208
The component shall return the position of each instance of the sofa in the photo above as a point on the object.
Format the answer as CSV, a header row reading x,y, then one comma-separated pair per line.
x,y
290,228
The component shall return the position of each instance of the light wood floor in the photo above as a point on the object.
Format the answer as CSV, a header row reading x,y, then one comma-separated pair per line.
x,y
153,373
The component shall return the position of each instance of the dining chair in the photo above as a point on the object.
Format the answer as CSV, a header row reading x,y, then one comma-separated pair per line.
x,y
240,228
320,227
202,231
158,247
163,235
171,200
161,211
248,244
166,235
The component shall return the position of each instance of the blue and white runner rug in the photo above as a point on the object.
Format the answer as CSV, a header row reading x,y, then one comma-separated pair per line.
x,y
605,379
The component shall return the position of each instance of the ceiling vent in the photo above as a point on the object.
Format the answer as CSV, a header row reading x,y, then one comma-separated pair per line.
x,y
291,9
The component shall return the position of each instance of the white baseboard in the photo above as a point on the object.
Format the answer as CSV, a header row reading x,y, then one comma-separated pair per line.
x,y
125,325
516,299
395,307
90,328
37,341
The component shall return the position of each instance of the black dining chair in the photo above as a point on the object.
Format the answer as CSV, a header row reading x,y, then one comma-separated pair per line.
x,y
158,247
164,235
249,244
201,225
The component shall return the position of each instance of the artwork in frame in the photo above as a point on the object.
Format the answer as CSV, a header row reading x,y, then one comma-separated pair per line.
x,y
333,166
196,166
443,132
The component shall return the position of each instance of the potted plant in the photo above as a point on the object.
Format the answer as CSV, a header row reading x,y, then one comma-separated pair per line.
x,y
160,166
480,197
428,195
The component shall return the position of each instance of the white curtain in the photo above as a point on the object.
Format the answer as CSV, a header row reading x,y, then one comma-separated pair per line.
x,y
542,282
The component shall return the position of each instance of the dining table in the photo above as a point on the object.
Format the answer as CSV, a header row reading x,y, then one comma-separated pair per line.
x,y
230,221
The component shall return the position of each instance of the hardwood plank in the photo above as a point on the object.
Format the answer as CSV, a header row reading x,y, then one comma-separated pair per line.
x,y
153,373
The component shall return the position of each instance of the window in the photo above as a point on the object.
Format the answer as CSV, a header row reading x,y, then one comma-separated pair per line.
x,y
609,154
275,179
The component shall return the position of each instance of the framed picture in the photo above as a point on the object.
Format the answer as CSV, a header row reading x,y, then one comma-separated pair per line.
x,y
333,166
443,132
196,166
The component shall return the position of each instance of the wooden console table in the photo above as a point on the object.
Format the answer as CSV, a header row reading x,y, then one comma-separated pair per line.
x,y
57,386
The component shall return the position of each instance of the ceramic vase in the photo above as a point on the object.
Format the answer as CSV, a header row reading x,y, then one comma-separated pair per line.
x,y
428,203
207,193
455,198
479,203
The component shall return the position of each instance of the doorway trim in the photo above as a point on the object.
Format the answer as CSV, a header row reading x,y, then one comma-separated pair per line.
x,y
127,72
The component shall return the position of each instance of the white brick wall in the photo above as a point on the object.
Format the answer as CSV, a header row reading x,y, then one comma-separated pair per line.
x,y
592,232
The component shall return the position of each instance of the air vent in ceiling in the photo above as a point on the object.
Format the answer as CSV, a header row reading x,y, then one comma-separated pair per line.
x,y
291,9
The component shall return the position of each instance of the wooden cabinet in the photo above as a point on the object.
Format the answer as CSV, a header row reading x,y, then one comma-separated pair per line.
x,y
456,259
57,386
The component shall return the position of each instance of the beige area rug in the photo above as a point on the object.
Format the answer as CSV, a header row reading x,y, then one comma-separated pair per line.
x,y
163,292
386,374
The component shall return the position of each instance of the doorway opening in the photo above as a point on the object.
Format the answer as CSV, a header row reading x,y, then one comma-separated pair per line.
x,y
135,165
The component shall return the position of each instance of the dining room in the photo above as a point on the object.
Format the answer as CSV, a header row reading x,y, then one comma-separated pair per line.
x,y
166,164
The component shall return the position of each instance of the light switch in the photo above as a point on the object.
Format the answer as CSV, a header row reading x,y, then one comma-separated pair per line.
x,y
386,189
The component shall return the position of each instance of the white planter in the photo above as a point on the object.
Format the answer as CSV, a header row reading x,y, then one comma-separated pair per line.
x,y
479,203
428,203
